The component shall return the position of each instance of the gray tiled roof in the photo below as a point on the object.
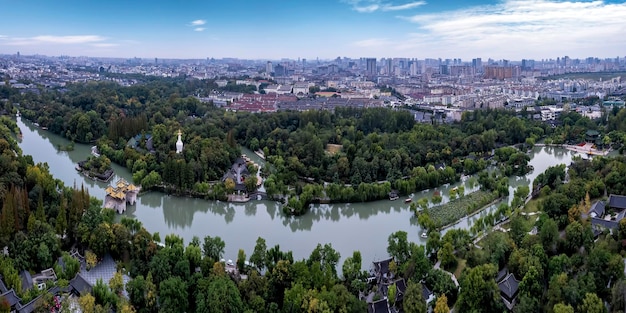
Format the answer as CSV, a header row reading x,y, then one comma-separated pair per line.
x,y
11,297
598,207
617,202
509,286
426,293
27,280
105,270
611,224
80,285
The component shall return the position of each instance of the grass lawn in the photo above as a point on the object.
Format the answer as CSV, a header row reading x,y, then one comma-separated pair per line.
x,y
529,222
460,267
531,206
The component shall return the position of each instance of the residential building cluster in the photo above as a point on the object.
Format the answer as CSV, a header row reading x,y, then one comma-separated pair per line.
x,y
433,85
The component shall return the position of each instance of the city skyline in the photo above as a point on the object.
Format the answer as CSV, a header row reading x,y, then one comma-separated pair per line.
x,y
510,29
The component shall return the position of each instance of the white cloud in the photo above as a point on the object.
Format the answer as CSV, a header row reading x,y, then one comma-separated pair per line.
x,y
369,6
524,28
406,6
199,29
68,39
48,39
367,9
197,23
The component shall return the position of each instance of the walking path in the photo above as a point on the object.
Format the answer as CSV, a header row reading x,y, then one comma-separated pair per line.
x,y
438,266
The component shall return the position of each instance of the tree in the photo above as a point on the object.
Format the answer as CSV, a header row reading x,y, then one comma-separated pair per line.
x,y
173,295
193,254
251,183
526,304
221,295
446,256
5,306
258,256
441,306
230,185
213,247
479,291
592,304
413,300
87,303
61,221
562,308
117,283
241,260
518,229
91,259
531,283
442,284
391,295
137,290
398,246
549,234
433,243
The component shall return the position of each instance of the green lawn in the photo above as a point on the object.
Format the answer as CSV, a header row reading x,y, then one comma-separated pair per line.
x,y
460,267
531,206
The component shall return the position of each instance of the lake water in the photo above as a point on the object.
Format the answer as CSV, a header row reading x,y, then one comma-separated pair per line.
x,y
348,227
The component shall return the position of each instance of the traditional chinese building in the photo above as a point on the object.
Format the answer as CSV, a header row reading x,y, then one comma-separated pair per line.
x,y
119,195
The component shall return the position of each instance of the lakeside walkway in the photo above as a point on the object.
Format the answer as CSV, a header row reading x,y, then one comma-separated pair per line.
x,y
587,148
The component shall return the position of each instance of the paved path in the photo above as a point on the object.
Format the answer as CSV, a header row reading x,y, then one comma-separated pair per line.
x,y
438,266
531,213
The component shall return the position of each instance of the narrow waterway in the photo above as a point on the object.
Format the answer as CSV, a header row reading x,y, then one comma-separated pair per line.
x,y
349,227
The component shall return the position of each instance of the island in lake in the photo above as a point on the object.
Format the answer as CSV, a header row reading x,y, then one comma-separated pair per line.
x,y
97,168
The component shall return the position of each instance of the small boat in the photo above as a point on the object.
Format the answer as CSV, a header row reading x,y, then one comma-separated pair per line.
x,y
408,200
424,235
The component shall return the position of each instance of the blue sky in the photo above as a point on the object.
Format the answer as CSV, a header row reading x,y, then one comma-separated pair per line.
x,y
274,29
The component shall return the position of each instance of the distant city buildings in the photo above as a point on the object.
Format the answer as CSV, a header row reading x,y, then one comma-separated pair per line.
x,y
439,84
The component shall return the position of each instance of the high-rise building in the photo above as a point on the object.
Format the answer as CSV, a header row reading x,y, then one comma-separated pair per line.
x,y
444,70
413,68
268,67
280,70
370,67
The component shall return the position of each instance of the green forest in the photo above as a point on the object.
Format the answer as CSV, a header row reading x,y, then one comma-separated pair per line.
x,y
374,150
561,268
563,264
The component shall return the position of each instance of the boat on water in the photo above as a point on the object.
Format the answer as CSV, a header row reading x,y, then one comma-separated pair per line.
x,y
424,235
408,200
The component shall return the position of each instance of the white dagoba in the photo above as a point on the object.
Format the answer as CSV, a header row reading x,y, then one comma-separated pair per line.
x,y
179,143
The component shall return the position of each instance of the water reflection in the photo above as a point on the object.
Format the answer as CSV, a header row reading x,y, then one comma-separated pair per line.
x,y
240,224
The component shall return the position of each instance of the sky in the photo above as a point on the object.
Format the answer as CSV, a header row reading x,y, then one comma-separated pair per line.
x,y
324,29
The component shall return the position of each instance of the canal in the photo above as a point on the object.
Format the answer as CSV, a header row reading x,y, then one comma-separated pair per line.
x,y
348,227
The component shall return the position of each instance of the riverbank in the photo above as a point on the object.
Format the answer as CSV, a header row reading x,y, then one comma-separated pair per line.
x,y
240,224
587,148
